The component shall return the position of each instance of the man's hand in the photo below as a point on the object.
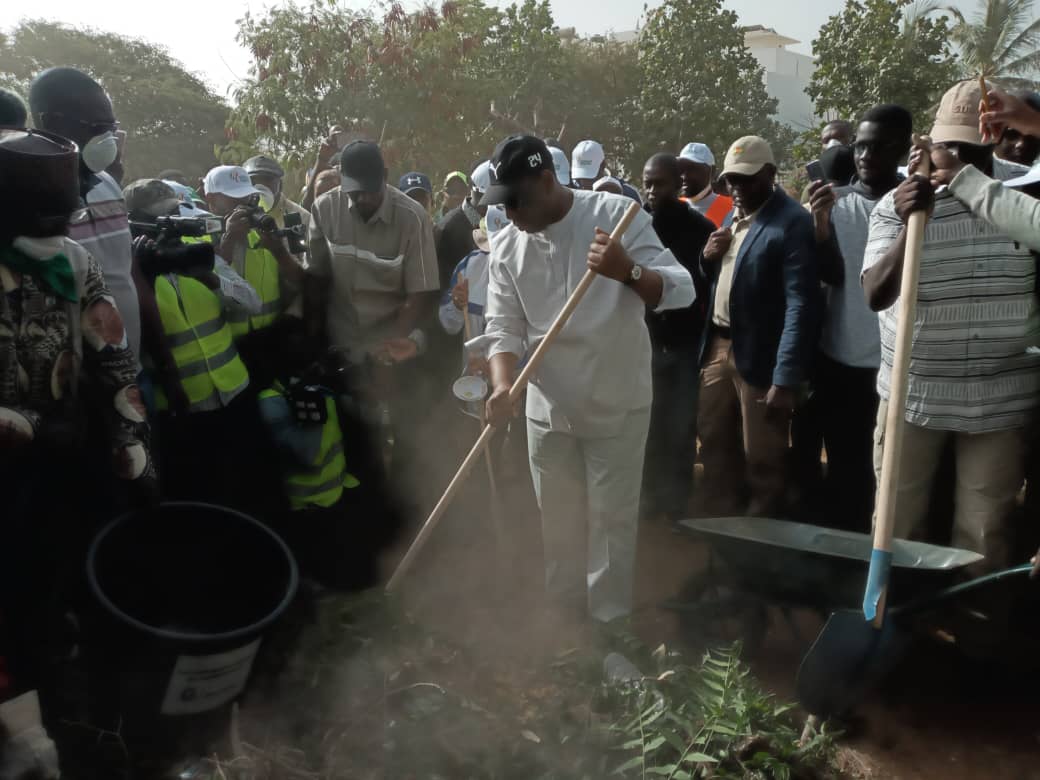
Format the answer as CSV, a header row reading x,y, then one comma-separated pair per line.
x,y
499,409
460,294
718,245
946,164
914,194
1006,111
1036,566
779,401
398,350
272,242
477,365
237,225
608,258
821,201
329,147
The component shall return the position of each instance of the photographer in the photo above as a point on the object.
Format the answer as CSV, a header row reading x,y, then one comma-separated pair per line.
x,y
252,246
211,441
73,435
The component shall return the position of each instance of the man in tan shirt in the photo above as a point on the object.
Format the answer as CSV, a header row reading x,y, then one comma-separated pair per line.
x,y
760,336
372,265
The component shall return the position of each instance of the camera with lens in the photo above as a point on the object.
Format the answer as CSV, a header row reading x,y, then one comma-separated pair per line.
x,y
259,219
294,231
167,253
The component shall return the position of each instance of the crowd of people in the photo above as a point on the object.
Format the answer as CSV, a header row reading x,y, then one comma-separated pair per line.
x,y
215,341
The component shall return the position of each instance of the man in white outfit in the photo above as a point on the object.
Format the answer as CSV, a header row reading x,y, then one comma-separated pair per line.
x,y
588,405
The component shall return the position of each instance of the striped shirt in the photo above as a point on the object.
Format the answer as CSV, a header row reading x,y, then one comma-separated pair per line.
x,y
976,315
372,266
101,227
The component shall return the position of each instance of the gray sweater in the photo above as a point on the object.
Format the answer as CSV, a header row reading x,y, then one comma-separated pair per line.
x,y
1012,212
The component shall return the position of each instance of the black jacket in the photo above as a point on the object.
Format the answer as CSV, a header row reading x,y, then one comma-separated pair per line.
x,y
685,232
454,242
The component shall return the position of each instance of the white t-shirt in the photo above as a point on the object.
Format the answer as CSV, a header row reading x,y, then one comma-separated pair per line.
x,y
598,369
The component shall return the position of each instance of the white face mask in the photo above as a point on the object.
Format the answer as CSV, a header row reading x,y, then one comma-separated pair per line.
x,y
100,152
267,198
40,248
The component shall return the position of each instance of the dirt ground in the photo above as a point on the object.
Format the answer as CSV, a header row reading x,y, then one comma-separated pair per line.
x,y
939,715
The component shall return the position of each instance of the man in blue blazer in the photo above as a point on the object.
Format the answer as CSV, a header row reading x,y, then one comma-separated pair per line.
x,y
761,334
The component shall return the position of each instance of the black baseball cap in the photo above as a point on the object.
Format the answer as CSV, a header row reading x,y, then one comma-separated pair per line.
x,y
517,158
362,166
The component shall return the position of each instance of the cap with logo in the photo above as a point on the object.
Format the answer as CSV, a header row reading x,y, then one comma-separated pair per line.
x,y
517,158
747,156
957,120
153,197
230,180
698,153
480,179
562,164
586,160
362,166
263,165
415,181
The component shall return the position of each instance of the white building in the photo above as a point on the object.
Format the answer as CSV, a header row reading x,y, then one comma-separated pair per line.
x,y
787,75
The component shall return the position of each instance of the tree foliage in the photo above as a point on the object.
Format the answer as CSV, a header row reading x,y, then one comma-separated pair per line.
x,y
448,83
699,81
1002,40
872,53
172,119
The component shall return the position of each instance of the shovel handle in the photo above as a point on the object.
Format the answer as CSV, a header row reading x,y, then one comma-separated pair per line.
x,y
514,395
876,592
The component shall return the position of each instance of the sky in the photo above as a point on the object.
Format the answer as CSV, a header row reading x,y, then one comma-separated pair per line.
x,y
202,37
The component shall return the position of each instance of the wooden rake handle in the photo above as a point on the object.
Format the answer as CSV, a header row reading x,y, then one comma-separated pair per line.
x,y
514,395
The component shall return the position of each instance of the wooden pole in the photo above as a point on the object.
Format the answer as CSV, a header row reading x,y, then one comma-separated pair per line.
x,y
876,593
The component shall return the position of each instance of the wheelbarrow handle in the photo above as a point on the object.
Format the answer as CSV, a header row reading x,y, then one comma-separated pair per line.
x,y
946,594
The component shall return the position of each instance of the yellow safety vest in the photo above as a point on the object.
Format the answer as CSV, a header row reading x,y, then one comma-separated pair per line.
x,y
261,271
323,482
208,366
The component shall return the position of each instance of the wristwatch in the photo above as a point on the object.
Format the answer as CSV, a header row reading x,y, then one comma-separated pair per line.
x,y
635,274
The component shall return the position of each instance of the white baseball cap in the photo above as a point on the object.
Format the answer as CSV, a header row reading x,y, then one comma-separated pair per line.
x,y
1032,177
586,160
698,153
562,165
480,179
230,180
494,221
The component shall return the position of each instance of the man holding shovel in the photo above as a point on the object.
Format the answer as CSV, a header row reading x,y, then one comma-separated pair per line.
x,y
970,381
588,406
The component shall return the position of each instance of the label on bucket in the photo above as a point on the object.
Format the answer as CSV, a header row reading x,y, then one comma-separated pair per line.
x,y
200,683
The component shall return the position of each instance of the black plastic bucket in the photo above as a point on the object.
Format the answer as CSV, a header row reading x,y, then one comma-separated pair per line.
x,y
183,598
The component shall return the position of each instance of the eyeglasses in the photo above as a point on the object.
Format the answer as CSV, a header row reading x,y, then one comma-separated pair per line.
x,y
874,147
92,128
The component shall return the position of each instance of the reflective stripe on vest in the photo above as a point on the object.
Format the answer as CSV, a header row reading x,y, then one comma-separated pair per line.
x,y
200,341
260,269
323,482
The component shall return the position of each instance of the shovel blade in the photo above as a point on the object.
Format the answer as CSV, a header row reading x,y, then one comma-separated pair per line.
x,y
848,658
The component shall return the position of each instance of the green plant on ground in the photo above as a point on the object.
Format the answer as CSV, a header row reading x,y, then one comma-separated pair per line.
x,y
711,720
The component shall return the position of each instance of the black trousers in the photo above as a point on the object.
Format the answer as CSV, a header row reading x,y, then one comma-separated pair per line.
x,y
671,444
845,400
